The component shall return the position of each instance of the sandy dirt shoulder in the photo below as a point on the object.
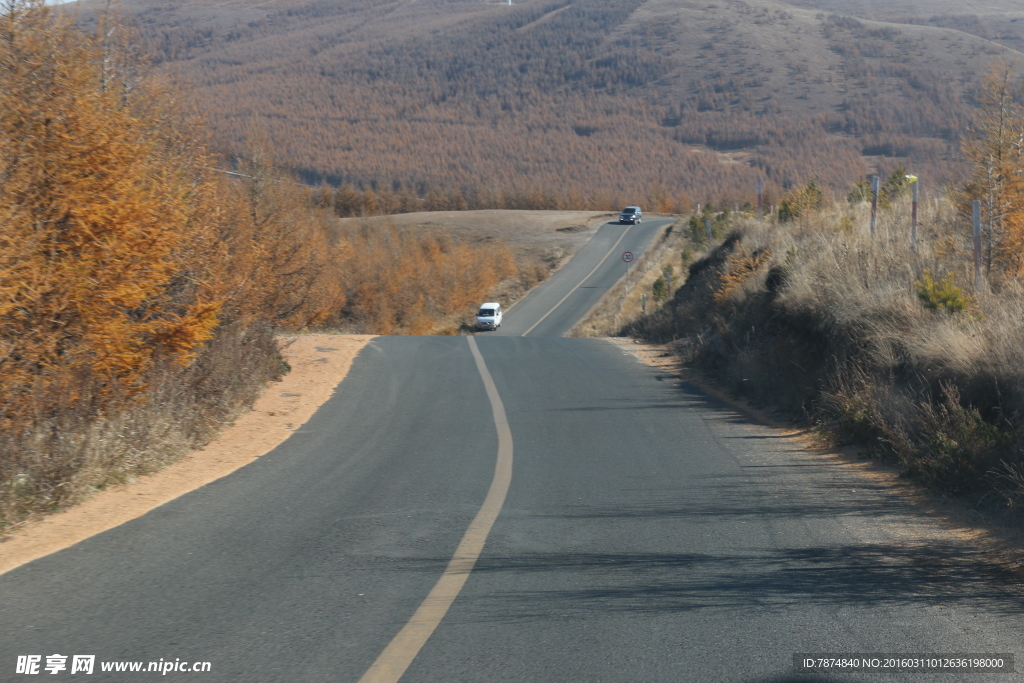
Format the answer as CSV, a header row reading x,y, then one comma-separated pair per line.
x,y
318,361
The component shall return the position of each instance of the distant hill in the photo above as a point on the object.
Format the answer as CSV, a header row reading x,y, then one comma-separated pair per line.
x,y
586,102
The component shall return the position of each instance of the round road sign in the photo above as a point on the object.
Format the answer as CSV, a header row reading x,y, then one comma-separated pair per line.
x,y
627,256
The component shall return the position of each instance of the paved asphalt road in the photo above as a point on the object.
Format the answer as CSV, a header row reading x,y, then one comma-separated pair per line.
x,y
648,534
556,305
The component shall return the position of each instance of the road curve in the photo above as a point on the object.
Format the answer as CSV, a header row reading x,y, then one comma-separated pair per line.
x,y
647,533
553,308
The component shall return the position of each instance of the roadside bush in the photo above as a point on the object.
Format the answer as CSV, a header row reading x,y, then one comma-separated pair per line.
x,y
944,295
951,447
63,455
659,290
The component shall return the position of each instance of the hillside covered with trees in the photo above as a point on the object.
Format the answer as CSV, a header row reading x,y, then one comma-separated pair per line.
x,y
140,285
581,103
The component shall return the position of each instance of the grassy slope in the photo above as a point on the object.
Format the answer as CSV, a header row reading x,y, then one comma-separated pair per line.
x,y
819,320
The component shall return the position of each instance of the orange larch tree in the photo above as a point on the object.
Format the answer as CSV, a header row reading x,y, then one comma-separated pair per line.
x,y
994,150
97,197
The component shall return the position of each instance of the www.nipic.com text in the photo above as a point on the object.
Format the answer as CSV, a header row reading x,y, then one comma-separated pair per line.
x,y
86,664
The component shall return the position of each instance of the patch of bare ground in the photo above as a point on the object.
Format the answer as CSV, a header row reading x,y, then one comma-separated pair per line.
x,y
999,537
318,364
527,232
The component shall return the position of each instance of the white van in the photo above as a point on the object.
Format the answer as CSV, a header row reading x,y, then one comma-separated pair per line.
x,y
488,317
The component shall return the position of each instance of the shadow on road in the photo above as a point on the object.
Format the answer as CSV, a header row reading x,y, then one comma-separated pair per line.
x,y
844,575
719,498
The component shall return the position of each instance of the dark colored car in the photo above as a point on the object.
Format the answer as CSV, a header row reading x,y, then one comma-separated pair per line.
x,y
631,215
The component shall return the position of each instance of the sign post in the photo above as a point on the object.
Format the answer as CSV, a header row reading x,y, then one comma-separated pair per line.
x,y
627,257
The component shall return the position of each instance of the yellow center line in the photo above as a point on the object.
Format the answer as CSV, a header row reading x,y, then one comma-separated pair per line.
x,y
404,647
605,258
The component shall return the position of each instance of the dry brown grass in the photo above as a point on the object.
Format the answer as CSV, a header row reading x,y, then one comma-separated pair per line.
x,y
821,321
60,460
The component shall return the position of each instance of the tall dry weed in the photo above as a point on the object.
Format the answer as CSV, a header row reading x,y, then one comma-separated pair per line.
x,y
62,456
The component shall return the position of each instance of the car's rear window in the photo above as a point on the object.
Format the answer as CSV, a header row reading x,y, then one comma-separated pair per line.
x,y
486,311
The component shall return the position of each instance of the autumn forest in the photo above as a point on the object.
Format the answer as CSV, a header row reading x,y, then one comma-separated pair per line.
x,y
576,103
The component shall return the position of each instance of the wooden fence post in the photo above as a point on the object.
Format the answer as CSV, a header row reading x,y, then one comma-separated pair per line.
x,y
874,203
760,199
913,216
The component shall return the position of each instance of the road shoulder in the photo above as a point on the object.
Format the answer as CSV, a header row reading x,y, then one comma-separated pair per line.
x,y
319,362
1001,542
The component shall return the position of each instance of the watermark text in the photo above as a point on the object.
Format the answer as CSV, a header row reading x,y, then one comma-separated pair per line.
x,y
87,664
